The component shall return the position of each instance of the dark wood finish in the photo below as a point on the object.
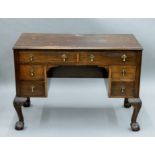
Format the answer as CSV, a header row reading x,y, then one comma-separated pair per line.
x,y
31,72
102,57
122,89
78,72
32,89
116,57
107,57
136,103
77,41
18,103
27,103
126,103
123,73
41,57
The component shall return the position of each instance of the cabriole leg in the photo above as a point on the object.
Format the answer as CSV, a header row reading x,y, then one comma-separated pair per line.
x,y
136,103
18,103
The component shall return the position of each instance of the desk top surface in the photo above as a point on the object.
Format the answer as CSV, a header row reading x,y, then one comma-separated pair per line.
x,y
77,41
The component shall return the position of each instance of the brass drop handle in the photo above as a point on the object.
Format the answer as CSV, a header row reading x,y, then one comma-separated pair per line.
x,y
92,57
124,57
32,72
31,58
123,72
64,57
32,88
122,89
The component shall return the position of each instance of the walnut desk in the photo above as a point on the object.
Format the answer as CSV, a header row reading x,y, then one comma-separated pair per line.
x,y
116,57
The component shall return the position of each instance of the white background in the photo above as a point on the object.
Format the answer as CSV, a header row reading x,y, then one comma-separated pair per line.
x,y
77,9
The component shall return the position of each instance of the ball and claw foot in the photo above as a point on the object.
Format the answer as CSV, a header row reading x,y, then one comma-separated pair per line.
x,y
136,104
126,103
27,103
19,125
135,126
18,103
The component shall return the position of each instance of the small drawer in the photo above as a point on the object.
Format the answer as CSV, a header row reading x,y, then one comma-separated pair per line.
x,y
32,89
31,72
122,89
48,57
123,73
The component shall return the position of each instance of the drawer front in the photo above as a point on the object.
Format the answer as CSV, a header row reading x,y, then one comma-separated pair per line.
x,y
122,73
31,72
108,58
48,57
122,89
32,89
80,57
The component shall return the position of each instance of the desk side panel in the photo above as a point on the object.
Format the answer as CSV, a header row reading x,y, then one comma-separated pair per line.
x,y
138,73
16,67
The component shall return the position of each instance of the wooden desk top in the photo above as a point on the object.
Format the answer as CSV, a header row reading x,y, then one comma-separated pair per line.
x,y
77,41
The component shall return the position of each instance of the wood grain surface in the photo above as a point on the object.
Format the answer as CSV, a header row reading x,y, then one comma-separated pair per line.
x,y
77,41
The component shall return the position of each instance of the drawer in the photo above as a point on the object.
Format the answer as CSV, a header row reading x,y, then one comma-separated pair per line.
x,y
31,72
32,89
109,58
122,89
121,73
48,57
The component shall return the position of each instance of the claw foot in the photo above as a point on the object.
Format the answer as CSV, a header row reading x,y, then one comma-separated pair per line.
x,y
19,125
135,126
136,104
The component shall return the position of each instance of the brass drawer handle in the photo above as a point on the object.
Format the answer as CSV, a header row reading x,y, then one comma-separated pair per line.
x,y
122,89
32,72
123,72
64,57
124,57
32,88
92,57
31,58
